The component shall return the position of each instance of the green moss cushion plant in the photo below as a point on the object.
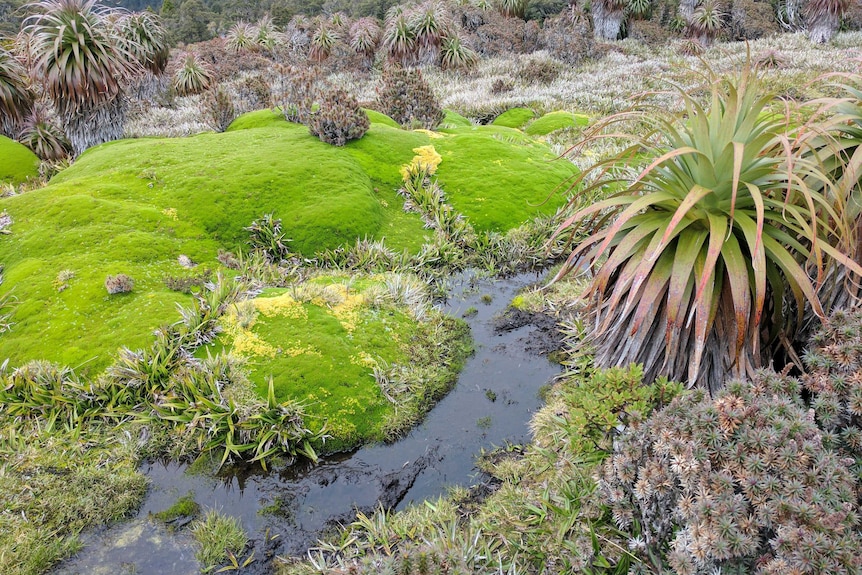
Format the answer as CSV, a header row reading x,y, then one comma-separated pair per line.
x,y
515,118
17,163
376,117
554,121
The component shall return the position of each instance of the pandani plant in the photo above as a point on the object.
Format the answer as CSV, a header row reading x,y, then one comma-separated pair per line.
x,y
16,96
699,257
84,62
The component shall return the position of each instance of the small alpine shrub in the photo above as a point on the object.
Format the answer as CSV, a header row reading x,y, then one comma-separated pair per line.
x,y
741,483
406,97
297,90
266,236
120,283
339,119
219,109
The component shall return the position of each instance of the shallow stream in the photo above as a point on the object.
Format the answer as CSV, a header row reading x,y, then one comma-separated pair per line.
x,y
496,394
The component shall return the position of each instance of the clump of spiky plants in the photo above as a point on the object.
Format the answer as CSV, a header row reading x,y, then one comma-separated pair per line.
x,y
120,283
406,97
44,137
339,119
193,76
823,17
83,64
241,36
16,97
322,42
695,263
266,33
146,40
267,236
429,22
365,37
399,40
706,21
740,483
513,8
455,54
639,9
219,536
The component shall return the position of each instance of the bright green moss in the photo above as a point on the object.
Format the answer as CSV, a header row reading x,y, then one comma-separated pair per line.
x,y
454,120
376,117
185,506
498,184
259,119
320,349
556,121
515,118
17,162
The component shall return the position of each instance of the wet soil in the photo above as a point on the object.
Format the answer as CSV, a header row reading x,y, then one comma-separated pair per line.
x,y
286,510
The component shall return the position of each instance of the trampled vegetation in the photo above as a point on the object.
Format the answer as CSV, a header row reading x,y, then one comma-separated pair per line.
x,y
232,250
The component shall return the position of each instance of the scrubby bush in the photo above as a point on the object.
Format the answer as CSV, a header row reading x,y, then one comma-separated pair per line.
x,y
339,119
120,283
406,97
834,379
296,93
741,483
219,109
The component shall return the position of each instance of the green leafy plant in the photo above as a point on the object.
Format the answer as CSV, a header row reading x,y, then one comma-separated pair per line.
x,y
365,36
16,97
339,119
83,63
146,40
706,21
193,76
701,249
399,40
219,536
241,36
455,54
322,41
44,137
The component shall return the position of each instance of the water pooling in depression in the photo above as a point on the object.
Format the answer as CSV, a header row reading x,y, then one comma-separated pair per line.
x,y
299,502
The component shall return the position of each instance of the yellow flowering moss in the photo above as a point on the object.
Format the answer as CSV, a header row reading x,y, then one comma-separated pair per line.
x,y
425,161
347,312
171,213
281,306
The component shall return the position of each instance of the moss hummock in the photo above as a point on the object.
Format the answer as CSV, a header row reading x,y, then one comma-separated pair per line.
x,y
17,162
515,118
135,206
554,121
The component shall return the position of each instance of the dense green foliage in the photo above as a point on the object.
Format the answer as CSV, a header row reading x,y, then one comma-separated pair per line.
x,y
17,163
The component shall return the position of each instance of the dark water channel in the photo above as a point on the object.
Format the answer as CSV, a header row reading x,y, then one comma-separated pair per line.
x,y
300,502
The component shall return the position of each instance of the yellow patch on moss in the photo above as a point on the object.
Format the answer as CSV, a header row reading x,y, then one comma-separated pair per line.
x,y
347,312
425,161
364,359
281,306
295,348
431,134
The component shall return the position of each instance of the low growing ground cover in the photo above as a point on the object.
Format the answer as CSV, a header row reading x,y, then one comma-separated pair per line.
x,y
134,207
351,350
17,163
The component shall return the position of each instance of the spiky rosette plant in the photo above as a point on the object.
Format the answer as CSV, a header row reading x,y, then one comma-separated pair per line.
x,y
706,21
193,76
429,23
322,41
741,483
399,40
41,134
365,36
266,32
823,17
695,258
146,40
83,65
16,97
241,36
455,54
513,8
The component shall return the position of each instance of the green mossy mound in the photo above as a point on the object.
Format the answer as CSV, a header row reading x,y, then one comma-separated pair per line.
x,y
515,118
135,206
376,117
17,162
555,121
454,120
321,342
